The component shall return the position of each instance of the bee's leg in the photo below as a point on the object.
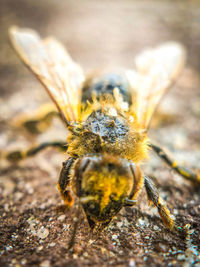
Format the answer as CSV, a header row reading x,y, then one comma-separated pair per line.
x,y
38,122
91,223
21,154
97,228
138,182
63,182
190,175
153,196
76,223
104,225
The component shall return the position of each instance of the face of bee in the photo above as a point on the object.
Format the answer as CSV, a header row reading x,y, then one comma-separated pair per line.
x,y
102,183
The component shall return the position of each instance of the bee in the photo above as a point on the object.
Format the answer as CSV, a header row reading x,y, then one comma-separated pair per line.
x,y
108,117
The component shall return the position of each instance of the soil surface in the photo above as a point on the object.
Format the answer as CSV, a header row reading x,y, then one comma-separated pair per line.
x,y
35,230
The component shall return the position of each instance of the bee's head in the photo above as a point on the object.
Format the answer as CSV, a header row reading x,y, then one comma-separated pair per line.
x,y
103,183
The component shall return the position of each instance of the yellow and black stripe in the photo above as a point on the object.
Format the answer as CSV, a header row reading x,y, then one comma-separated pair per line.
x,y
22,154
37,122
190,175
154,197
63,182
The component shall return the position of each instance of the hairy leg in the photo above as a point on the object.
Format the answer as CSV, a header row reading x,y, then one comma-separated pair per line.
x,y
154,197
37,122
190,175
138,182
22,154
63,182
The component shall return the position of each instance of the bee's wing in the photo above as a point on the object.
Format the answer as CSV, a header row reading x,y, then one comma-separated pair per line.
x,y
156,70
54,68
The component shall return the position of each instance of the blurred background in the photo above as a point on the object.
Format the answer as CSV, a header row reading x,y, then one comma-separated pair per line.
x,y
99,33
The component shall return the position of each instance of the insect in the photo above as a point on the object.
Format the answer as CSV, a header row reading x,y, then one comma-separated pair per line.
x,y
108,117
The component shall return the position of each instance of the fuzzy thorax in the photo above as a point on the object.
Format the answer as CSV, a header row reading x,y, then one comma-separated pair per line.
x,y
106,132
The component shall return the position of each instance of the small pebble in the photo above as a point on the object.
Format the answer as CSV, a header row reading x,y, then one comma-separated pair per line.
x,y
90,242
29,189
141,222
77,249
119,224
66,227
175,212
126,223
43,206
18,196
131,263
24,261
156,228
121,252
114,237
42,233
6,207
161,247
8,186
191,252
40,248
61,218
75,219
14,261
45,264
181,257
9,248
85,254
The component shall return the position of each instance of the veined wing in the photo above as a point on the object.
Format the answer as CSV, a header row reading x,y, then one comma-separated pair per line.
x,y
49,61
156,70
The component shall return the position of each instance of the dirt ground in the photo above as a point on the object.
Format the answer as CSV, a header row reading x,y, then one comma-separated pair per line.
x,y
34,228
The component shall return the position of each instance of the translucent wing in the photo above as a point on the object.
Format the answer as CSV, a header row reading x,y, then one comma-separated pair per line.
x,y
156,70
54,68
